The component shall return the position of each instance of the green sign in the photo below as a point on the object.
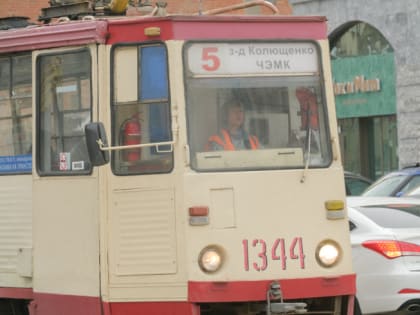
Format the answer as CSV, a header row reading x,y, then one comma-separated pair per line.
x,y
364,85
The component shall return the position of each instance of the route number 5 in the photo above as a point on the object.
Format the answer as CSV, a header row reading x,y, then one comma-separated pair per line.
x,y
211,62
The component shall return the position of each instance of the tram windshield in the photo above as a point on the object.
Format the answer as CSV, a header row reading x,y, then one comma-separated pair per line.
x,y
255,106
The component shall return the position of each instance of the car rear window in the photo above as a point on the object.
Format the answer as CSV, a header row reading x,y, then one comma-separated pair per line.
x,y
393,216
385,186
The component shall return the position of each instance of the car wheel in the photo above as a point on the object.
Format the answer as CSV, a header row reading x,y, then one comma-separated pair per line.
x,y
411,307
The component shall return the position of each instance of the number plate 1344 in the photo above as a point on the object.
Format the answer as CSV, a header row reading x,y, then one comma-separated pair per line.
x,y
258,253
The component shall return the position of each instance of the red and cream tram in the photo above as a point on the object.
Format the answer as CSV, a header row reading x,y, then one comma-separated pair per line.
x,y
112,201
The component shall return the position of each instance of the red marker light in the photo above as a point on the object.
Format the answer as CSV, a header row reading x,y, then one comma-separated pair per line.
x,y
198,211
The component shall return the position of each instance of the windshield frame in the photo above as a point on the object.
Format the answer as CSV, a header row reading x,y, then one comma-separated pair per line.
x,y
317,77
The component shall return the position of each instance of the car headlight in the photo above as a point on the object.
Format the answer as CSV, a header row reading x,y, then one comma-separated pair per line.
x,y
328,253
210,259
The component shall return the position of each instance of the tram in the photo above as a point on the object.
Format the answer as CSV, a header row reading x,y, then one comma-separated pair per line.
x,y
114,203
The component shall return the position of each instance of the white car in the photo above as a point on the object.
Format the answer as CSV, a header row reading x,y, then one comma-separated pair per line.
x,y
354,201
386,257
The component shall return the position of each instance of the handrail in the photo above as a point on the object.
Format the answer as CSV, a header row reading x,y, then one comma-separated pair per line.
x,y
242,6
104,147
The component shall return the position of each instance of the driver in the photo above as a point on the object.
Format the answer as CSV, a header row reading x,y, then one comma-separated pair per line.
x,y
233,136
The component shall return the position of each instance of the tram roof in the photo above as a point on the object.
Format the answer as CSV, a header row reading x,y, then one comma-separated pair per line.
x,y
131,29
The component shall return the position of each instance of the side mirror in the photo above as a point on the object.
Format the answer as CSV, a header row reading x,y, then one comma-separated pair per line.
x,y
93,133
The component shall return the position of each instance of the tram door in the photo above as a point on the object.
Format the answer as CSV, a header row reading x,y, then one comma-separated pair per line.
x,y
142,201
65,184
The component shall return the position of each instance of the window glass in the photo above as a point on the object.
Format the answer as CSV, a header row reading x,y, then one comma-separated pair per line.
x,y
374,139
141,113
386,186
251,107
16,114
64,109
384,142
359,40
412,183
350,144
356,186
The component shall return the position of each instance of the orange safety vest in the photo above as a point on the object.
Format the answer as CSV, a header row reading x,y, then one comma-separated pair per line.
x,y
227,144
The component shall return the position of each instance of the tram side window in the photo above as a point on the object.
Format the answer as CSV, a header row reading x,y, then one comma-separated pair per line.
x,y
15,114
141,110
64,108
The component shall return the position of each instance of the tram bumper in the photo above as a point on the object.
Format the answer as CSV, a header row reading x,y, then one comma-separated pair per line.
x,y
281,308
274,292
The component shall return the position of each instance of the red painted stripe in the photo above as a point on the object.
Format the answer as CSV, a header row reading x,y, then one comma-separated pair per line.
x,y
198,292
218,28
256,290
408,290
154,308
53,304
58,35
16,293
172,27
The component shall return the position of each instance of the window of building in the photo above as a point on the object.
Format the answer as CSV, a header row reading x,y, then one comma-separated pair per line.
x,y
369,145
359,40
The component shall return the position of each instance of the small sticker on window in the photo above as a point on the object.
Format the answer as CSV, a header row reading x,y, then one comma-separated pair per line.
x,y
65,161
78,165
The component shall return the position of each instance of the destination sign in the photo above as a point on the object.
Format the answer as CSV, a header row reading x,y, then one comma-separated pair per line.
x,y
252,58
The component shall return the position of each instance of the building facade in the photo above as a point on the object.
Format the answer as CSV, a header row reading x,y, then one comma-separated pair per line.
x,y
22,8
376,69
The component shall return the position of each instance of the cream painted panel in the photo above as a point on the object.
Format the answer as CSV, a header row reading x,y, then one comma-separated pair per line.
x,y
163,291
269,206
66,234
222,213
15,231
126,80
142,232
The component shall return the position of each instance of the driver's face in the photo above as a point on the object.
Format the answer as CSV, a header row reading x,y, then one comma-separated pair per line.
x,y
235,117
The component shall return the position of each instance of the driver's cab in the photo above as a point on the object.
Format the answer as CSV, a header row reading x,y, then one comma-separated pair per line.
x,y
282,99
283,105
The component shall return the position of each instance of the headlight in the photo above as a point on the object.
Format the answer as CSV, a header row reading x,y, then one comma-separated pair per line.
x,y
328,253
210,259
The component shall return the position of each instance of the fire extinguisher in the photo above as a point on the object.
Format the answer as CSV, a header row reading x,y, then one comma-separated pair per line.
x,y
131,134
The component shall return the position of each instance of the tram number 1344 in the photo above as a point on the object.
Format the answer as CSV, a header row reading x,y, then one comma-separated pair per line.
x,y
259,253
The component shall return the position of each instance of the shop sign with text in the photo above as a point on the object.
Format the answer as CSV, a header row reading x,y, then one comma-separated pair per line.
x,y
364,85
